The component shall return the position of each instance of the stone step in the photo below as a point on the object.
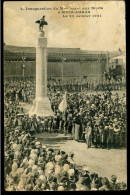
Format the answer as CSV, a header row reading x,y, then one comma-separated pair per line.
x,y
53,136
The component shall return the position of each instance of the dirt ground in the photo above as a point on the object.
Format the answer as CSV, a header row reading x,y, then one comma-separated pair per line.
x,y
102,161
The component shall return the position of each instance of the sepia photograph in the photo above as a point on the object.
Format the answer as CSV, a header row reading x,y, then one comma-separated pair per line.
x,y
65,114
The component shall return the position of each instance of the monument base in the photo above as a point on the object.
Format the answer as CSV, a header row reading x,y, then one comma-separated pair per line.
x,y
41,107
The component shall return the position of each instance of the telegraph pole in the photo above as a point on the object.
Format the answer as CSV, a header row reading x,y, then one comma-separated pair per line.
x,y
23,58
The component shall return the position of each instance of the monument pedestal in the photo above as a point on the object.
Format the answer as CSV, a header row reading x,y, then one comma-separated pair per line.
x,y
41,104
41,107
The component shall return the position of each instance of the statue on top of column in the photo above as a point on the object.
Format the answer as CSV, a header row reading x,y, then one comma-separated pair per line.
x,y
41,23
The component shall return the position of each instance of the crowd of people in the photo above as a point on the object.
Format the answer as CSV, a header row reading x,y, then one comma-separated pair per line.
x,y
31,166
26,90
100,116
19,89
84,84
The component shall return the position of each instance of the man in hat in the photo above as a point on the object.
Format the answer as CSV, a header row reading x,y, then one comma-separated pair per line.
x,y
62,180
110,135
22,183
116,136
113,185
65,127
105,185
88,135
106,127
50,125
84,180
101,135
38,185
52,181
96,135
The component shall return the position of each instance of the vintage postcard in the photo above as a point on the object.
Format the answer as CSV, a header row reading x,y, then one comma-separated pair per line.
x,y
65,121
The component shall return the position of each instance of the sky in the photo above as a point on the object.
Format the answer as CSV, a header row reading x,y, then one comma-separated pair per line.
x,y
106,33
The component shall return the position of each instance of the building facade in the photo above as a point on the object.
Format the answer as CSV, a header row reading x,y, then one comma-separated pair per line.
x,y
66,63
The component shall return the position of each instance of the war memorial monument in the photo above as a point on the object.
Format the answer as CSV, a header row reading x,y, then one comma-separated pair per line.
x,y
41,104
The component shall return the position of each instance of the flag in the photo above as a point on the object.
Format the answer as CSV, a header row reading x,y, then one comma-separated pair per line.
x,y
63,104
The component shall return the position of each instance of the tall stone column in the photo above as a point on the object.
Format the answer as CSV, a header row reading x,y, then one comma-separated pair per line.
x,y
41,104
